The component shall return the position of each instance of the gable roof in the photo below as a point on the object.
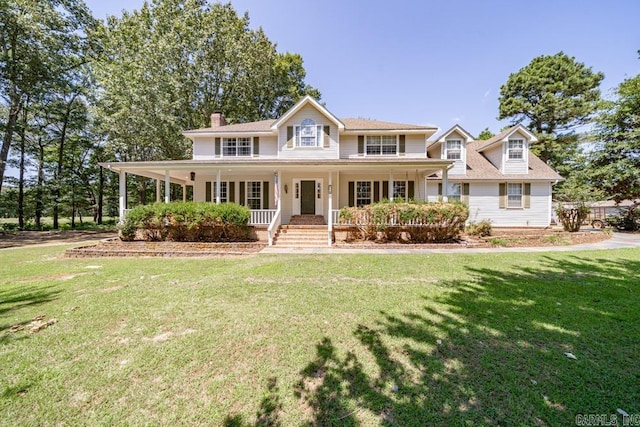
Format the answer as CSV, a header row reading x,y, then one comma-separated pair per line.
x,y
261,126
504,136
365,125
459,129
304,101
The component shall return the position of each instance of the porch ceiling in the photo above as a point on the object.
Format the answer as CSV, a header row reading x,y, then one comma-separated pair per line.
x,y
179,170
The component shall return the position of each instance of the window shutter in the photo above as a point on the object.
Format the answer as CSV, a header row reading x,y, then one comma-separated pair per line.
x,y
265,195
410,190
385,189
327,138
289,136
256,146
231,192
502,195
527,195
402,145
440,189
361,144
376,191
465,193
217,147
352,190
207,191
242,199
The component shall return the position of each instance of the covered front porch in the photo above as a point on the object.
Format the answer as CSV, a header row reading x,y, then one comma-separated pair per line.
x,y
275,191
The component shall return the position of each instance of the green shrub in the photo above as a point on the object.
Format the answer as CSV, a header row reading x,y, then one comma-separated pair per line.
x,y
572,217
187,221
479,229
417,222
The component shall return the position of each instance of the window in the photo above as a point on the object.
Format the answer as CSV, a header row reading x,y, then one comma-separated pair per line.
x,y
254,194
454,149
224,196
385,145
455,192
515,149
514,195
308,134
236,147
363,193
400,189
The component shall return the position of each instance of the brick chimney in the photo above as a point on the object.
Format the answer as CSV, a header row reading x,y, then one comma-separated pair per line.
x,y
217,120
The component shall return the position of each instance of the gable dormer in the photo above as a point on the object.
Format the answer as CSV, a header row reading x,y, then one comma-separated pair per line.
x,y
509,150
453,146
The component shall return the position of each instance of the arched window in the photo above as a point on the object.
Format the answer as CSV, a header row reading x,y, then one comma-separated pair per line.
x,y
308,133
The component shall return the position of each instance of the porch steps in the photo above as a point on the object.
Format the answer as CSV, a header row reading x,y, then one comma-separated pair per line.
x,y
306,220
302,236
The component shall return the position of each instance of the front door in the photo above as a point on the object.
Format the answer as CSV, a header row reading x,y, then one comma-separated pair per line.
x,y
307,198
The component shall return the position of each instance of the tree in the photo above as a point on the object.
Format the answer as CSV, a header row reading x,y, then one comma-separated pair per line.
x,y
615,162
169,65
552,96
485,134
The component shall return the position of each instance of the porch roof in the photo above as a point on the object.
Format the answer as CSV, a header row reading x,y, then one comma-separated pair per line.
x,y
179,170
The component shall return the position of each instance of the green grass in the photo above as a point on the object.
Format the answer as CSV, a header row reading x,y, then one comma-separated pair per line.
x,y
320,339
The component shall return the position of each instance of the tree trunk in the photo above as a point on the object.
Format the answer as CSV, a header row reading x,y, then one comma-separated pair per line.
x,y
14,111
59,169
39,185
98,220
21,176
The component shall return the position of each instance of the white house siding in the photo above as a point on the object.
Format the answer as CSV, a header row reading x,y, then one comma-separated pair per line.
x,y
484,204
308,112
494,155
268,147
415,146
434,152
204,148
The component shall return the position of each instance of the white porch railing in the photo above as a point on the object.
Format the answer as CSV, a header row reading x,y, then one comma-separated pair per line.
x,y
274,225
392,220
262,216
335,215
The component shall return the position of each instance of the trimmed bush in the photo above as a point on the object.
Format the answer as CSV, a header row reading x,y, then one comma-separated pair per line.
x,y
479,229
187,222
572,217
406,221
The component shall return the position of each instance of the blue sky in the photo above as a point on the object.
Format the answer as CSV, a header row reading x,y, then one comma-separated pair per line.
x,y
441,63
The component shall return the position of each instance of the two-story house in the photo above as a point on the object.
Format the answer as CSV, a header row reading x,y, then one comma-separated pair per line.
x,y
309,162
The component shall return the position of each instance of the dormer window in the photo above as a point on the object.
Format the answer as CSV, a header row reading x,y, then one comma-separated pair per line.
x,y
515,149
307,134
454,149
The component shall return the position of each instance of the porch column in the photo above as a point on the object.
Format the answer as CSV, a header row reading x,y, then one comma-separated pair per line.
x,y
167,188
184,192
426,196
279,191
330,216
122,200
391,186
158,190
445,185
218,187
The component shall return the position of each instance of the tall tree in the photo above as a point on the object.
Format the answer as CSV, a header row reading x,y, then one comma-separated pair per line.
x,y
169,65
615,163
553,95
486,134
40,42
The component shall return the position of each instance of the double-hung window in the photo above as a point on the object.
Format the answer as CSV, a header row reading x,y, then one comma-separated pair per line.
x,y
254,194
514,195
236,147
363,193
455,191
308,134
515,149
384,145
224,194
454,149
400,189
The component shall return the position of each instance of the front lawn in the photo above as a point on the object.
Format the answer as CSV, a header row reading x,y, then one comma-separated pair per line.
x,y
320,339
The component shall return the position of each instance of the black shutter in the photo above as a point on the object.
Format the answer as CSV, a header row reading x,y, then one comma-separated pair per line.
x,y
361,144
465,193
289,136
440,189
217,147
207,191
327,139
231,195
242,199
265,195
502,196
256,146
385,189
410,190
402,144
376,191
352,190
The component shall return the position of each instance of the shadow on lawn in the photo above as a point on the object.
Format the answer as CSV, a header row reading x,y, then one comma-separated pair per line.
x,y
17,298
491,351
